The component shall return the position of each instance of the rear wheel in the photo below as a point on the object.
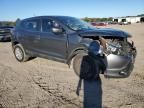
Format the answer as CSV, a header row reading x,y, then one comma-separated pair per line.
x,y
19,53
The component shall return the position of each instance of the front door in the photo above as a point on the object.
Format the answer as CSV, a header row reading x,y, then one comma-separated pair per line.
x,y
52,44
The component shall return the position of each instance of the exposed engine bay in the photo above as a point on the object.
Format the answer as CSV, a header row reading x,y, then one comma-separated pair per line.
x,y
119,55
118,46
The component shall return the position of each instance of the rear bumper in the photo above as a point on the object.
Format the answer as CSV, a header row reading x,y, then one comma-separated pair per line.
x,y
119,66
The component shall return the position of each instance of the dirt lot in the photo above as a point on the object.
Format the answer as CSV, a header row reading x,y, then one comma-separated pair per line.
x,y
41,83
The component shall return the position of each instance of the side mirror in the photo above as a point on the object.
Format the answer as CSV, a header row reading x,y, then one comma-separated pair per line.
x,y
57,30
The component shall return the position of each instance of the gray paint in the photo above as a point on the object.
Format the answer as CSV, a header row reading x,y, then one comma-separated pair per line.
x,y
63,46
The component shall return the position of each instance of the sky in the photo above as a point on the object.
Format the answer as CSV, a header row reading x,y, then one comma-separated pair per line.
x,y
10,10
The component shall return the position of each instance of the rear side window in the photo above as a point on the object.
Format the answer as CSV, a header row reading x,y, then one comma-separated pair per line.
x,y
32,25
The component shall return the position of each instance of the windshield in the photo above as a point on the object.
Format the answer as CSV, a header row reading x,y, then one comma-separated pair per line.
x,y
75,23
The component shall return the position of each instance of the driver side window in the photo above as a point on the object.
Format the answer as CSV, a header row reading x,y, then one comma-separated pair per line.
x,y
48,24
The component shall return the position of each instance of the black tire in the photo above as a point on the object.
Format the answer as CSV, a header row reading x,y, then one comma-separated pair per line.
x,y
85,67
19,53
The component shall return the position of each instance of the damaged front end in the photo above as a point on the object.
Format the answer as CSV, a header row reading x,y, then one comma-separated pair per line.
x,y
119,53
120,56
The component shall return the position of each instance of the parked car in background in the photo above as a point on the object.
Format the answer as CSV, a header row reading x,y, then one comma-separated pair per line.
x,y
112,22
90,50
99,23
5,33
124,23
93,23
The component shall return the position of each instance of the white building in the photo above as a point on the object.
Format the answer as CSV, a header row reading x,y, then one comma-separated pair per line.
x,y
131,19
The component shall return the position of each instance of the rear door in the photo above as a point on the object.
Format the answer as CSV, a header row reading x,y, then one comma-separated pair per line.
x,y
31,34
52,44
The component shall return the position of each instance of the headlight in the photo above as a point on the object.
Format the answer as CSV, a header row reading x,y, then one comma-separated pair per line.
x,y
111,48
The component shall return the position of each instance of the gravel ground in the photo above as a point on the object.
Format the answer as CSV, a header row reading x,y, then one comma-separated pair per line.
x,y
42,83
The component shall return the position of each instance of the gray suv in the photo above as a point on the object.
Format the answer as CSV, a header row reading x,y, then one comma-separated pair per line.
x,y
90,50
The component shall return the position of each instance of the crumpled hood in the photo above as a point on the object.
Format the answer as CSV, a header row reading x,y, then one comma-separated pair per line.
x,y
104,32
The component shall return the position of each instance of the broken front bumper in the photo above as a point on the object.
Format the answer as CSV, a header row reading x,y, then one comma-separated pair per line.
x,y
119,66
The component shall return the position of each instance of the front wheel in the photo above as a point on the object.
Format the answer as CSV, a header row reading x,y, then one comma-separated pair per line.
x,y
19,53
85,67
